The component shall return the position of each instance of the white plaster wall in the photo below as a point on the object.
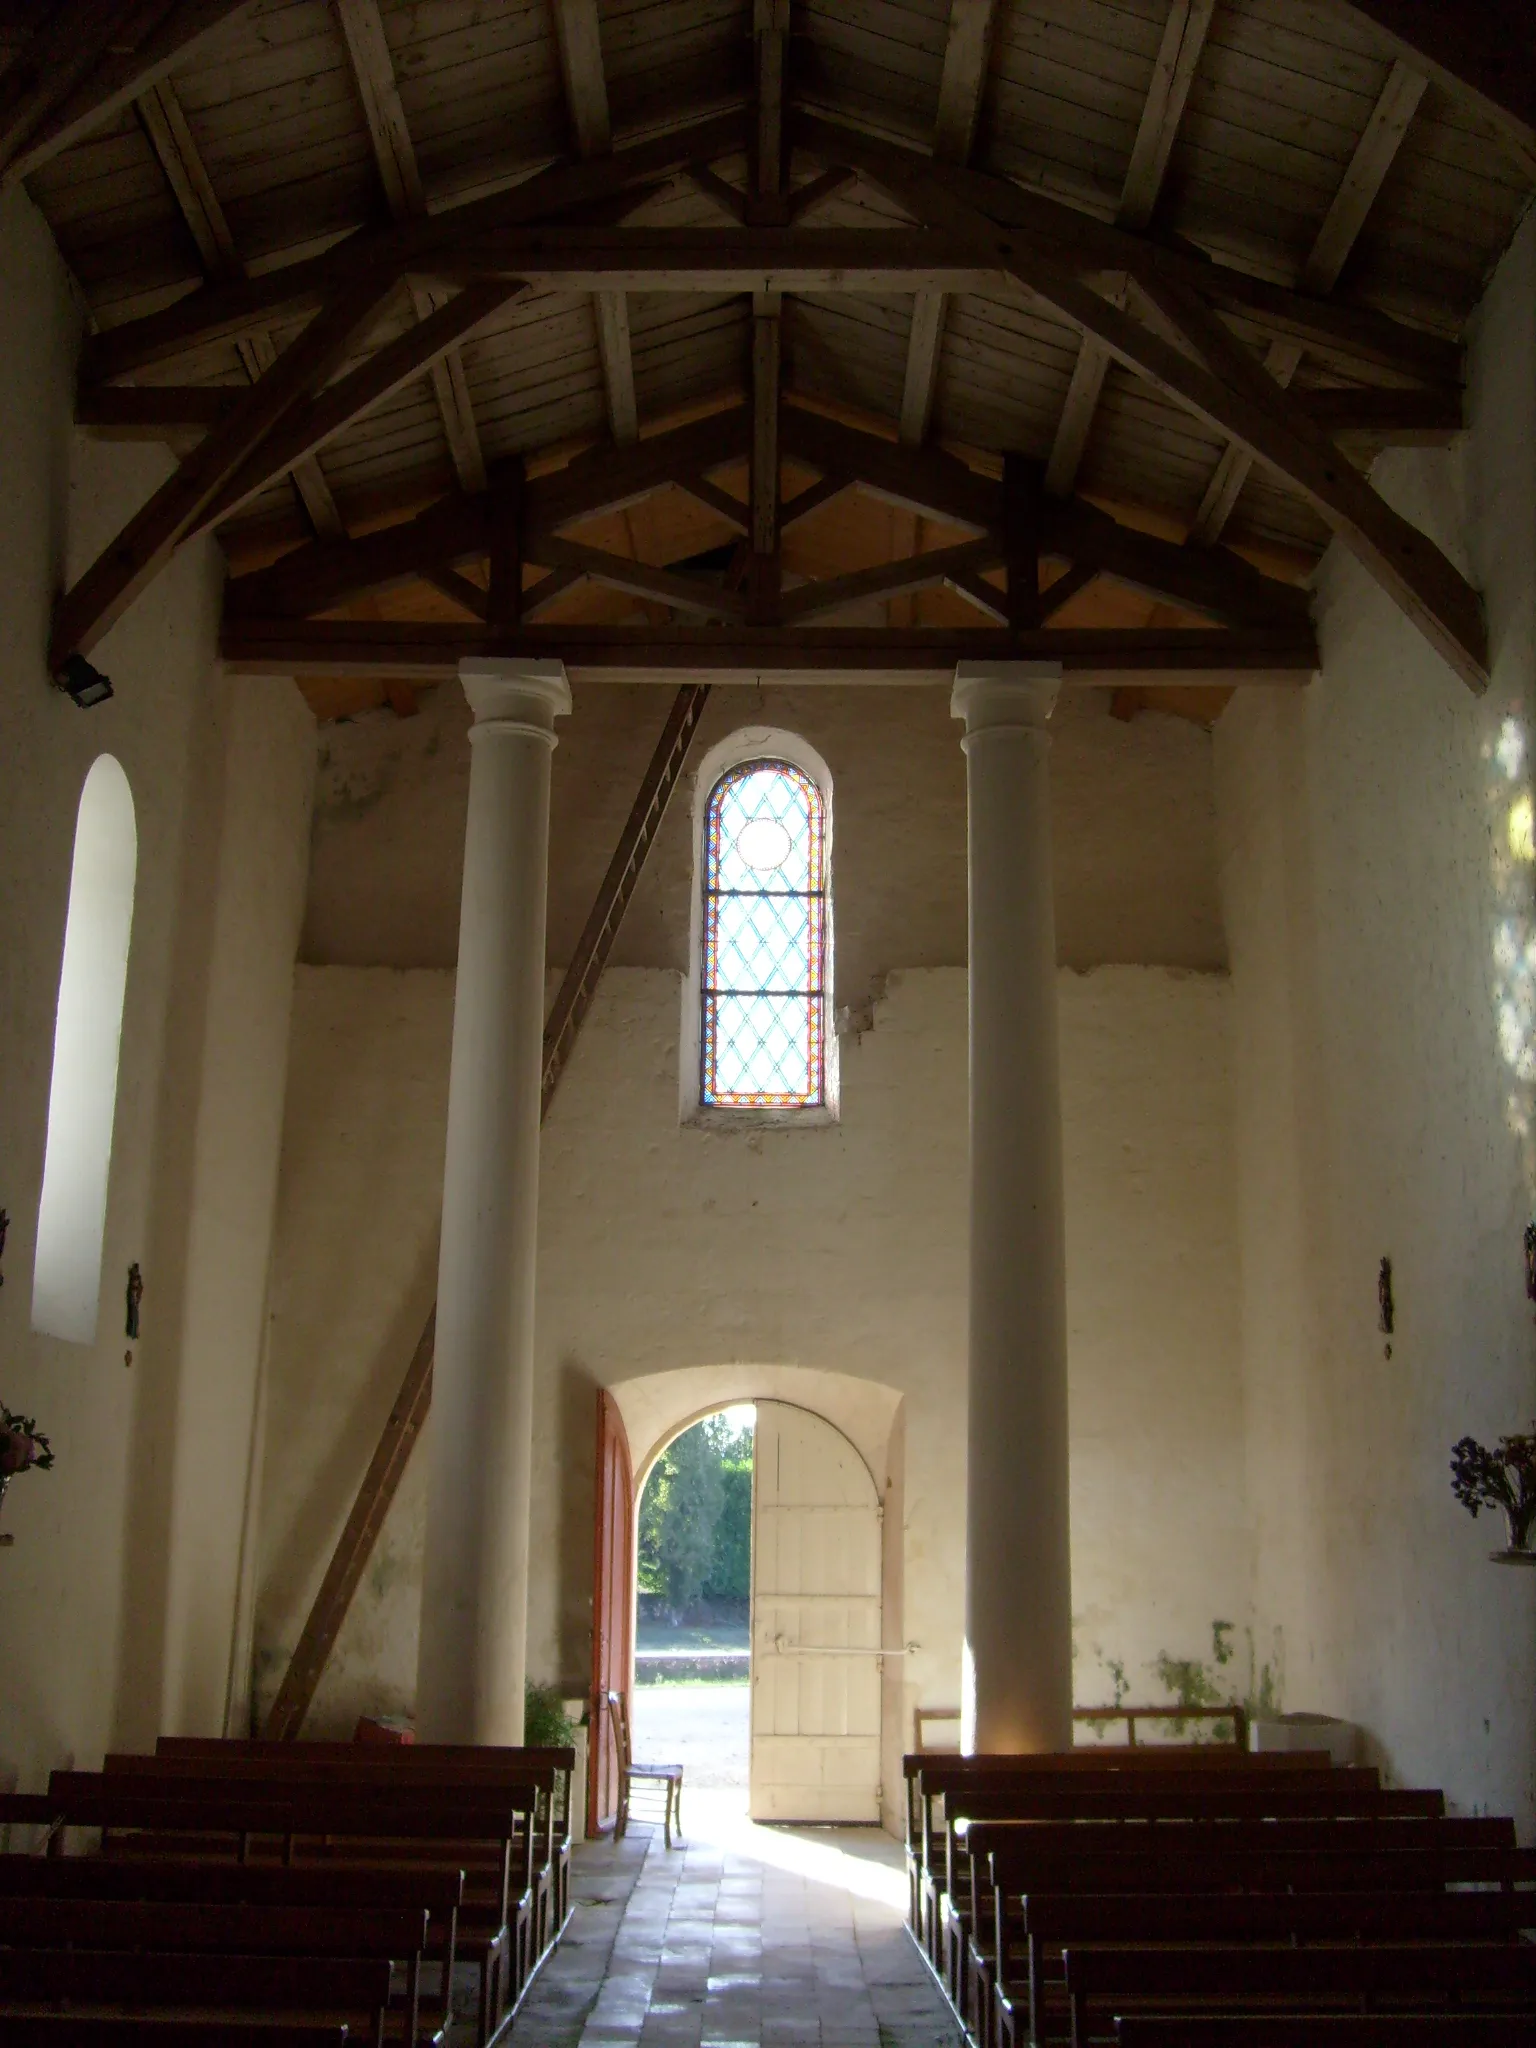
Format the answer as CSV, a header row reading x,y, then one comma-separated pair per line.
x,y
686,1267
74,1590
1385,1107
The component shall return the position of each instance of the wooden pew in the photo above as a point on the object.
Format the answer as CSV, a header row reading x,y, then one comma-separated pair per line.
x,y
482,1833
1010,1862
931,1780
130,2030
372,1769
1161,1804
942,1878
1051,1922
184,1927
436,1762
101,1984
1103,1982
1331,2030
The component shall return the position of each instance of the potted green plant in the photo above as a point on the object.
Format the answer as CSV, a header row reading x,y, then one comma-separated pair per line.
x,y
22,1446
1503,1478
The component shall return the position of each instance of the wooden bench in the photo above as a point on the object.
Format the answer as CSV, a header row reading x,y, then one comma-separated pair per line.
x,y
130,2030
951,1782
1009,1863
1048,1923
488,1835
1336,1794
434,1763
1102,1982
1330,2030
398,1935
378,1771
336,1991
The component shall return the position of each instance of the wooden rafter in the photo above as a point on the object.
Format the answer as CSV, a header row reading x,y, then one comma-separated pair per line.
x,y
572,1002
1173,73
373,72
586,99
770,33
183,501
1228,389
85,60
386,371
763,470
225,312
1196,656
1483,56
1368,168
925,571
967,48
180,159
925,483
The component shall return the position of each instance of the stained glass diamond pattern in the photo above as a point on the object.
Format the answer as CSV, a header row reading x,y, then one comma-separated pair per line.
x,y
764,941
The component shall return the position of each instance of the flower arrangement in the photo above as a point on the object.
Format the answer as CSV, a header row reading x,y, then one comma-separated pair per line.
x,y
21,1447
1503,1478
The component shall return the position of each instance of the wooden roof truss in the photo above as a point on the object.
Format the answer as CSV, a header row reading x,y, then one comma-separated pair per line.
x,y
391,303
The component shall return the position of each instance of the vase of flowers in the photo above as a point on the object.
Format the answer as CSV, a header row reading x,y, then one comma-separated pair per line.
x,y
1503,1478
22,1446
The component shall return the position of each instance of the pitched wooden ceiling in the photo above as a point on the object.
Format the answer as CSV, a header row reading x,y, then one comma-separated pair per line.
x,y
1302,155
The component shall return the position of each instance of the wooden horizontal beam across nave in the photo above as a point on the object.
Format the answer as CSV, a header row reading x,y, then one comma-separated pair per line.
x,y
654,654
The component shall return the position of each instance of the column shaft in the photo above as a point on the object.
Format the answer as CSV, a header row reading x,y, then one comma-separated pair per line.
x,y
1017,1681
475,1582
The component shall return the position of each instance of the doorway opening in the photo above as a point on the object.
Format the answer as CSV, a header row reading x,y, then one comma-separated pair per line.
x,y
693,1568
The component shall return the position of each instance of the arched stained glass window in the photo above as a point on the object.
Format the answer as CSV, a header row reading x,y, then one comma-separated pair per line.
x,y
765,952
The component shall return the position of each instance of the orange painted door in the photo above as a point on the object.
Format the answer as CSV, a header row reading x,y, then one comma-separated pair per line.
x,y
613,1607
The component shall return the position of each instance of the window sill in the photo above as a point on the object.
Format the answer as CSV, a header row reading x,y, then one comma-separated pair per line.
x,y
702,1116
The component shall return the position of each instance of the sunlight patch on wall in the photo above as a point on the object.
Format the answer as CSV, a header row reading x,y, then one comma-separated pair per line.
x,y
1513,820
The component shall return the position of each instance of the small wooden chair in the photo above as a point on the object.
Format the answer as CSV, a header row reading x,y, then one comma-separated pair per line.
x,y
669,1776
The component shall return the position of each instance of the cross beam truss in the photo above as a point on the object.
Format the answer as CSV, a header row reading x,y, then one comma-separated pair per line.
x,y
1165,312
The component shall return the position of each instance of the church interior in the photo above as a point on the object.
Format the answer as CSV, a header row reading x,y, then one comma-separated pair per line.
x,y
820,703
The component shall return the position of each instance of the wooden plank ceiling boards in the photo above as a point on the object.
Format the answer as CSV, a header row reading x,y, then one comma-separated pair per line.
x,y
1183,269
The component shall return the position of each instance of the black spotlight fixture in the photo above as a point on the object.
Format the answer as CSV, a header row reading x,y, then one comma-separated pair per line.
x,y
81,683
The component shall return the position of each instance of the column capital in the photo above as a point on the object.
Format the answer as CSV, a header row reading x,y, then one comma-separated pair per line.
x,y
530,694
993,694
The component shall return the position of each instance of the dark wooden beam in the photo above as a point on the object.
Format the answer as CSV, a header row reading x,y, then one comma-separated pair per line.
x,y
770,33
1229,389
355,1545
1213,581
386,371
86,60
318,577
834,653
1357,338
763,471
924,571
105,591
924,480
1023,539
471,600
638,579
756,257
504,521
1424,583
225,311
1484,56
134,412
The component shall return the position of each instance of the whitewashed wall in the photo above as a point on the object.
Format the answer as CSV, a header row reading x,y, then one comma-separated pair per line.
x,y
806,1264
118,1601
1377,887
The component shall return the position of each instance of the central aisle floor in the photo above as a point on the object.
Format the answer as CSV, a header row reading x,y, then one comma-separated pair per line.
x,y
746,1937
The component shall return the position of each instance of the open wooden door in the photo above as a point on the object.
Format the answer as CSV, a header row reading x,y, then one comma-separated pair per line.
x,y
816,1618
613,1607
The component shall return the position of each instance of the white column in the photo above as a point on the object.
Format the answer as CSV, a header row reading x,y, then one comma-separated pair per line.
x,y
474,1606
1017,1679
